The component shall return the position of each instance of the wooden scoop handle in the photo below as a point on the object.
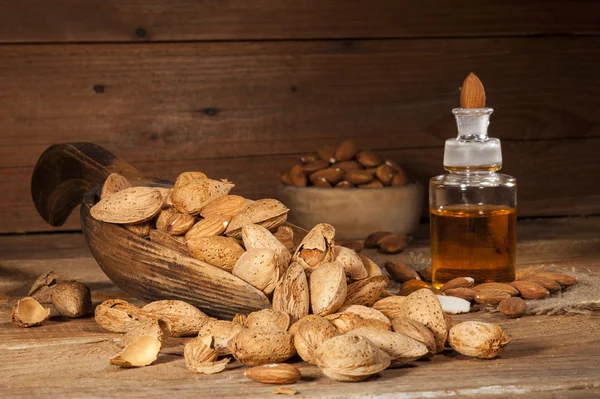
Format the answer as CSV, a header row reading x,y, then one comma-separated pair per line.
x,y
64,172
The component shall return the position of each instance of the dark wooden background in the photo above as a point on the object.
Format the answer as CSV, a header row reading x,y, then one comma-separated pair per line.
x,y
239,88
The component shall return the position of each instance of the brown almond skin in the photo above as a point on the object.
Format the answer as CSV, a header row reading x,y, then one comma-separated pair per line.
x,y
401,272
373,238
285,178
346,151
426,274
297,176
513,307
368,159
392,244
315,166
530,290
411,286
545,282
332,175
344,184
326,154
399,179
459,282
563,279
372,184
308,158
385,174
321,182
497,286
358,177
468,294
275,373
348,166
490,297
355,245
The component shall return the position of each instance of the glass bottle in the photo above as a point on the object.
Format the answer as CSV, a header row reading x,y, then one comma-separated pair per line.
x,y
473,208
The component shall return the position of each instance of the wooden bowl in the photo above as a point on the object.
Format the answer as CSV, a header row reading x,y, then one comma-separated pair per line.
x,y
355,212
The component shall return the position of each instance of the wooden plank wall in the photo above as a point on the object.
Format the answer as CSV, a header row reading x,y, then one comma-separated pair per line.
x,y
240,88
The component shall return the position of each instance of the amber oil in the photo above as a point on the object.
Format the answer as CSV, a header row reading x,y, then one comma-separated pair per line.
x,y
478,241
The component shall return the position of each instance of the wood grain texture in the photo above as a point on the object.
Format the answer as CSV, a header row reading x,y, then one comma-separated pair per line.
x,y
550,356
160,20
168,108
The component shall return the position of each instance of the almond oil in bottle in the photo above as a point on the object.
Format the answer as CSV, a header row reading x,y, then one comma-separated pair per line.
x,y
473,208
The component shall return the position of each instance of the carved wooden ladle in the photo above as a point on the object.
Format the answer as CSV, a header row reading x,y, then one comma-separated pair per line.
x,y
67,175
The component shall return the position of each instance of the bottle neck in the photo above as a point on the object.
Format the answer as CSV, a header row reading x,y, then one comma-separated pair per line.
x,y
478,170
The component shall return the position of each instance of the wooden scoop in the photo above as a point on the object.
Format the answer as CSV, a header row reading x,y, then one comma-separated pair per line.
x,y
67,175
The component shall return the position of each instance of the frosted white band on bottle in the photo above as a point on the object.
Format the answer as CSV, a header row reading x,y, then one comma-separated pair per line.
x,y
472,147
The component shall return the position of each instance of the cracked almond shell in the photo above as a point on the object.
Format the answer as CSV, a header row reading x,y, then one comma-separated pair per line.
x,y
159,328
316,248
218,251
207,227
117,315
259,267
285,235
114,183
268,212
129,206
367,291
424,307
262,345
185,319
417,331
350,358
480,340
173,222
310,335
221,331
328,288
306,319
367,313
28,312
372,268
256,236
345,322
201,357
41,289
141,352
401,348
292,293
351,262
191,197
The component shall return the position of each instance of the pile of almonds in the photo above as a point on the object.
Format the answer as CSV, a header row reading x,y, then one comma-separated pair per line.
x,y
507,298
69,298
344,167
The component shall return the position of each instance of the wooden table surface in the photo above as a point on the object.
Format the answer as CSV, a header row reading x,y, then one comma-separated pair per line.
x,y
550,356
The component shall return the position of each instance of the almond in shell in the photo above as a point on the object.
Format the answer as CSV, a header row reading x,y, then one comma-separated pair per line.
x,y
367,291
424,307
117,315
41,289
140,229
310,335
292,293
268,318
350,358
71,299
173,222
225,206
347,321
328,288
390,306
401,348
480,340
190,198
351,262
274,373
308,318
259,267
262,345
368,313
218,251
129,206
269,213
316,248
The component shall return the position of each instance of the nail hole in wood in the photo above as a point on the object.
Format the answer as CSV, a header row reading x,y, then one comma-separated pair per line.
x,y
141,32
210,111
99,88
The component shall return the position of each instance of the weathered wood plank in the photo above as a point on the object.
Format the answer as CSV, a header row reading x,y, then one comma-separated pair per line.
x,y
549,356
544,171
160,20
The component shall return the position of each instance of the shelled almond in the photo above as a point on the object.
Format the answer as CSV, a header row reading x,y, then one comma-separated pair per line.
x,y
344,167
